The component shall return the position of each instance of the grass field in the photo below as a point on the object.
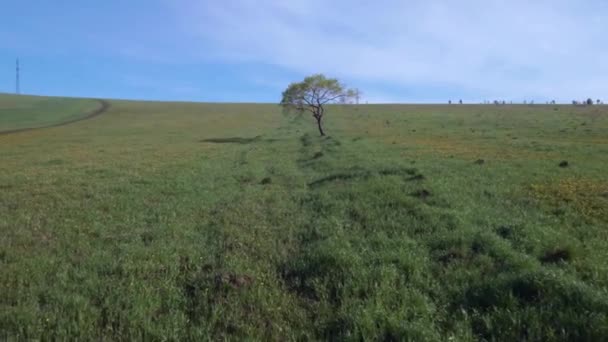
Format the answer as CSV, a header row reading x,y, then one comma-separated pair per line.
x,y
20,112
179,221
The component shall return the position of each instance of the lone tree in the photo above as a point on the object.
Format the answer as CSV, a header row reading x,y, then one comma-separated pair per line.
x,y
313,94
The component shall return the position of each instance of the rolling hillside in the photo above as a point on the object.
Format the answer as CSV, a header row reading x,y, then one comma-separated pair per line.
x,y
194,221
24,112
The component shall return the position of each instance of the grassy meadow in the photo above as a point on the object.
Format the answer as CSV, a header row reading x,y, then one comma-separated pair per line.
x,y
193,221
23,112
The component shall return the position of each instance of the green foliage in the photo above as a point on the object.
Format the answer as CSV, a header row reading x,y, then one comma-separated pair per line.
x,y
313,94
315,90
231,222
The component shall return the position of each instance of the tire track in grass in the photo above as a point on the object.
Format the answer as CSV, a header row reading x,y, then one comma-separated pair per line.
x,y
104,106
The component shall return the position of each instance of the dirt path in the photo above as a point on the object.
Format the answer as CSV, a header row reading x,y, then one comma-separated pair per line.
x,y
104,106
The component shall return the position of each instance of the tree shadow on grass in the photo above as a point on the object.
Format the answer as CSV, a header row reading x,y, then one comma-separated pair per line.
x,y
232,140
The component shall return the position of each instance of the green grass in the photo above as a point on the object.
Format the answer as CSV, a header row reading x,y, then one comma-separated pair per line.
x,y
20,112
178,221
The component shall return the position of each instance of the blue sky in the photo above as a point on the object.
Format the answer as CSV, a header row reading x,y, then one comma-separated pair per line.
x,y
248,51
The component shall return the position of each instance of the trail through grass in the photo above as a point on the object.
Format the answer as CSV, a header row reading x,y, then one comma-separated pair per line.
x,y
21,112
202,221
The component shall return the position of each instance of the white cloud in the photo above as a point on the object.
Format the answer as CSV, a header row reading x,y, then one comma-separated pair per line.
x,y
507,49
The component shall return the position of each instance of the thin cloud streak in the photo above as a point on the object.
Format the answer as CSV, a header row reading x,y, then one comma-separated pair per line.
x,y
493,49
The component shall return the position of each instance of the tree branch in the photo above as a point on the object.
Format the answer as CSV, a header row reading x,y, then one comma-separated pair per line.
x,y
334,98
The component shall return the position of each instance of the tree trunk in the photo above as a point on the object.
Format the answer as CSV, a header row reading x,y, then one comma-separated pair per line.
x,y
320,127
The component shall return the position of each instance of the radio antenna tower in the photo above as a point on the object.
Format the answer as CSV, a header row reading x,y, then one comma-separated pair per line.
x,y
17,80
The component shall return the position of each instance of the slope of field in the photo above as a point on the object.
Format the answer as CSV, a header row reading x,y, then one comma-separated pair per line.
x,y
178,221
22,112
